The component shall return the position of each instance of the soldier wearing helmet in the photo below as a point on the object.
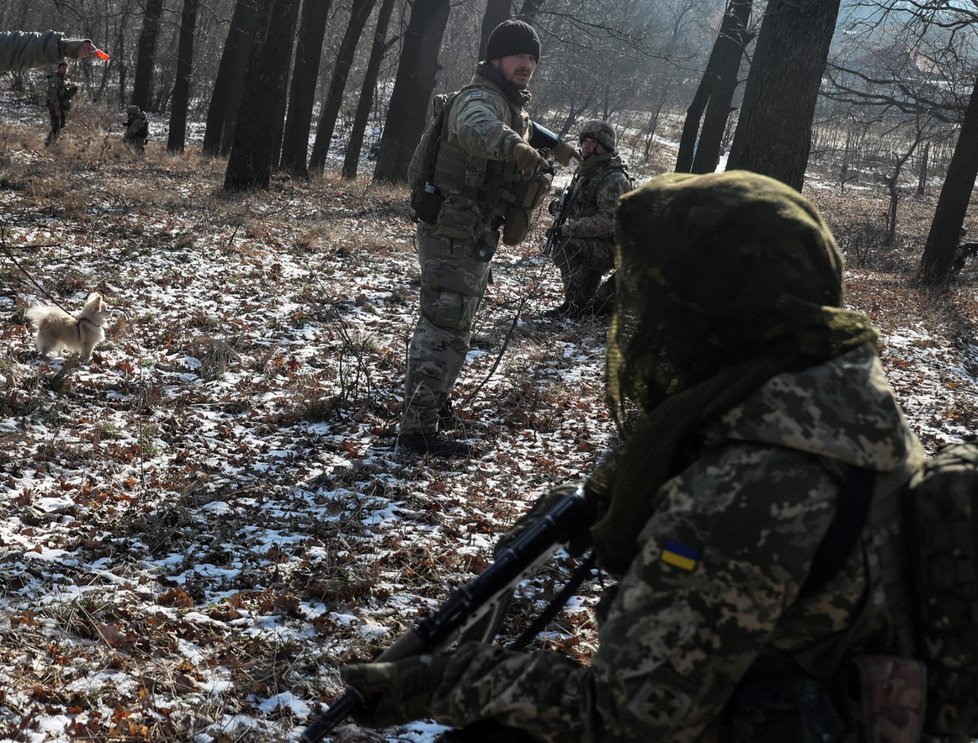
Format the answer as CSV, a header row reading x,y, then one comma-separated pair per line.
x,y
137,128
585,248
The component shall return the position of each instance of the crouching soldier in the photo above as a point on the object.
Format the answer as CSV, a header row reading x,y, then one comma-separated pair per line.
x,y
137,128
585,246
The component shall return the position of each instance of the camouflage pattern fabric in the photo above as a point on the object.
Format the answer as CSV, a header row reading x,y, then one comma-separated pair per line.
x,y
137,128
20,49
588,251
942,506
714,588
452,285
724,281
455,253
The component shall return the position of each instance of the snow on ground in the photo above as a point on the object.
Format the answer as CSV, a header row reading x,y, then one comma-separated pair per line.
x,y
202,525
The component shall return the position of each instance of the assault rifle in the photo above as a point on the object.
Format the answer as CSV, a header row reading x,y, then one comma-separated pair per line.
x,y
475,608
560,214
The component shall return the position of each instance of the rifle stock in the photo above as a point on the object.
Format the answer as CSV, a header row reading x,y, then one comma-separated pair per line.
x,y
468,605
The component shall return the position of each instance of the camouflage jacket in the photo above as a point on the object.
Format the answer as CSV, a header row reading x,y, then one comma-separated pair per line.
x,y
137,127
715,588
60,92
481,129
593,195
20,49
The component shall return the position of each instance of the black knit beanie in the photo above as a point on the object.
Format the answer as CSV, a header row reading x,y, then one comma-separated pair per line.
x,y
513,37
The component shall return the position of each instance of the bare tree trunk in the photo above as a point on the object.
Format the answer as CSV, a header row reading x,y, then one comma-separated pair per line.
x,y
352,159
359,14
952,205
185,66
733,41
529,10
305,72
223,109
497,11
413,86
253,151
142,87
922,172
774,132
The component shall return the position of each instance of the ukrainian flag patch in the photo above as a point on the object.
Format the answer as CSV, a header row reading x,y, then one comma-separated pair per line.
x,y
680,555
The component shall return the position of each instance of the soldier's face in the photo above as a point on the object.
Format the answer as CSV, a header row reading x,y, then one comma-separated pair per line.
x,y
517,68
590,147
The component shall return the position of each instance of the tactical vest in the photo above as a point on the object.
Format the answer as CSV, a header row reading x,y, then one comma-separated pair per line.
x,y
486,181
583,194
498,190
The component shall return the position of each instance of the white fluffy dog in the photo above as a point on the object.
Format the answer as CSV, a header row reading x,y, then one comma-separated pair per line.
x,y
57,329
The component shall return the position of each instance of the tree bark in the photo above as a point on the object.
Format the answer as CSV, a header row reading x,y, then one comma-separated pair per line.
x,y
254,148
413,86
359,14
529,10
774,132
305,72
142,87
185,66
497,11
223,108
952,205
351,160
731,44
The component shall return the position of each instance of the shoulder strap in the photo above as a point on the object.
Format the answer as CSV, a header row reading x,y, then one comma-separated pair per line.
x,y
851,512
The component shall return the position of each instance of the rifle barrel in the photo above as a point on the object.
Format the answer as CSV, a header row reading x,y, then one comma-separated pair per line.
x,y
467,604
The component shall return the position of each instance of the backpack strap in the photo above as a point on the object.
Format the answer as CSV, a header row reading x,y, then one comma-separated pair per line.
x,y
851,512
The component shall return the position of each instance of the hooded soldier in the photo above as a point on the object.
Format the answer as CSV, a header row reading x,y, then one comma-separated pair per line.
x,y
758,586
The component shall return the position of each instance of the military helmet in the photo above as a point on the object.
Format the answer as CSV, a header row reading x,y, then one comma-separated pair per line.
x,y
601,132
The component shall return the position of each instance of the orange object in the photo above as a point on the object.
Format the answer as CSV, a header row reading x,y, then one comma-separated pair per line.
x,y
102,55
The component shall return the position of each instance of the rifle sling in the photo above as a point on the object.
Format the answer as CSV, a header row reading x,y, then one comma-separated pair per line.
x,y
580,574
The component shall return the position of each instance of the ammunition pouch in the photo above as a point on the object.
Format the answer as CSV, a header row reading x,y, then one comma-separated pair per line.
x,y
426,203
522,199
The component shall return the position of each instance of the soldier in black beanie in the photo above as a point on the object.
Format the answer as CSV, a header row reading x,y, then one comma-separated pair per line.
x,y
513,37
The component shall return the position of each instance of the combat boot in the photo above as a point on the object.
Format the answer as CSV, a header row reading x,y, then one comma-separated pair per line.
x,y
433,443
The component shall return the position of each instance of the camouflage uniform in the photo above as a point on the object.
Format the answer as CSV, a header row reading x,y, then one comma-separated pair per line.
x,y
137,128
749,399
588,252
60,92
455,252
755,505
20,49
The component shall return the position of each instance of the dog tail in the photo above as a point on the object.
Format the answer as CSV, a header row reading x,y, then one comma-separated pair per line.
x,y
38,315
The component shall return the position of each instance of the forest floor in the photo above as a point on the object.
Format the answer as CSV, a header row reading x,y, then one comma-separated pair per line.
x,y
201,526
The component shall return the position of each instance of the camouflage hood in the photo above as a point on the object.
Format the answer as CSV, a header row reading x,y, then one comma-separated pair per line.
x,y
725,281
843,409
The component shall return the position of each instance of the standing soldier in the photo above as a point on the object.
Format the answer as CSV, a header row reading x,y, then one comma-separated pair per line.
x,y
60,92
478,177
585,245
137,128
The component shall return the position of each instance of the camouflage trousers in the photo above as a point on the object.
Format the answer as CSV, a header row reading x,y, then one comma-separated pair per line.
x,y
582,263
452,285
